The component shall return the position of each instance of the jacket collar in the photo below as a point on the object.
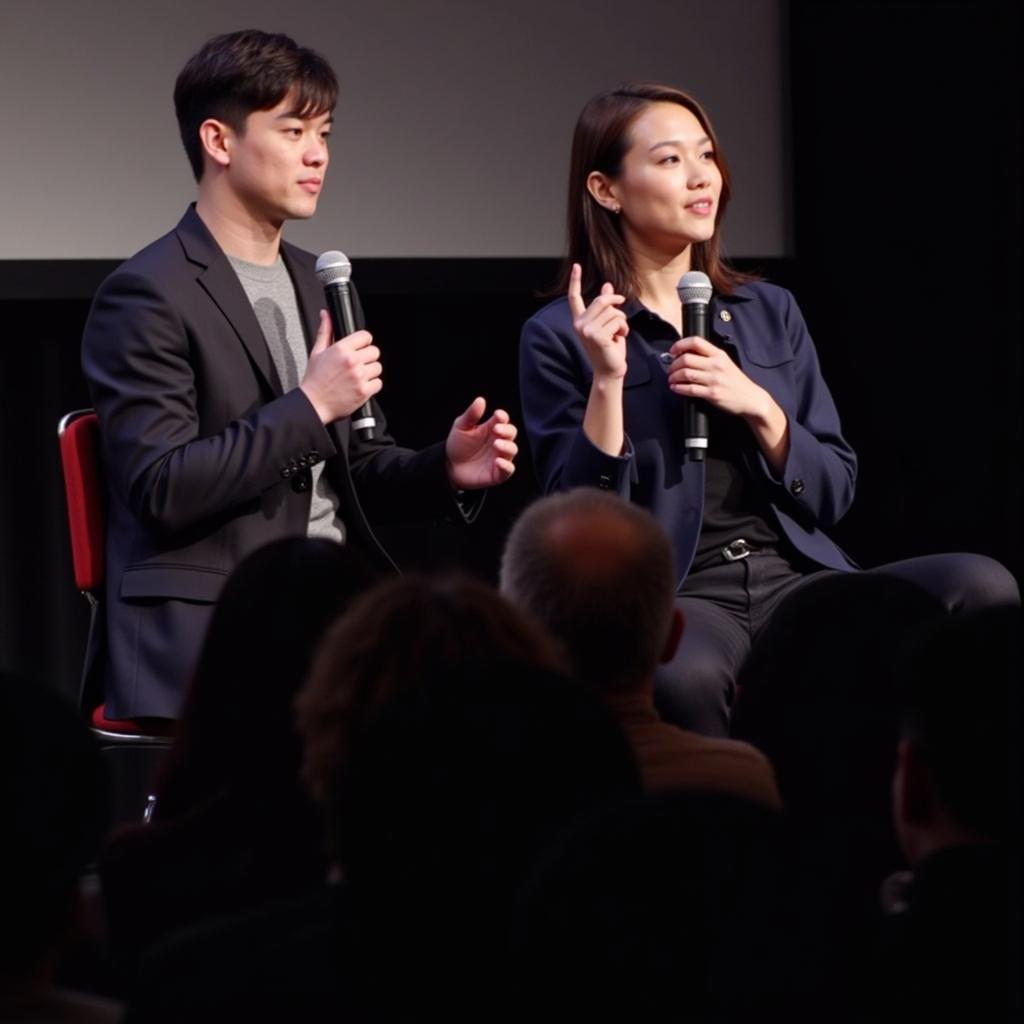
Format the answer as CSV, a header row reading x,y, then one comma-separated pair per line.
x,y
219,280
202,249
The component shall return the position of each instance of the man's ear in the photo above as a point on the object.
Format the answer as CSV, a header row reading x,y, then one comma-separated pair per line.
x,y
216,138
674,635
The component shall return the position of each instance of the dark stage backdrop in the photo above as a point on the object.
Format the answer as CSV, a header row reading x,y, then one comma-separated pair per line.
x,y
907,170
906,166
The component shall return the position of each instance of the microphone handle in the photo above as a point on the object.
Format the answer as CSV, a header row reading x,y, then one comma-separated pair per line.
x,y
695,441
343,320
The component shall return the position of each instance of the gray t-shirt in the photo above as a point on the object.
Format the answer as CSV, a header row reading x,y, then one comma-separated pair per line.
x,y
272,294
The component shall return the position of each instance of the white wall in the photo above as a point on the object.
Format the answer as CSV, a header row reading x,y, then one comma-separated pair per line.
x,y
453,129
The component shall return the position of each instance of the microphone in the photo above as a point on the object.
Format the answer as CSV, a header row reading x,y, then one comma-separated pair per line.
x,y
695,292
334,269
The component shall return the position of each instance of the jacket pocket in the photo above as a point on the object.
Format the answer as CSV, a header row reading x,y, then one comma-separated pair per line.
x,y
186,582
767,352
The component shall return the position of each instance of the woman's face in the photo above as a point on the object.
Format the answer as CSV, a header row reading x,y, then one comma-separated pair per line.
x,y
669,185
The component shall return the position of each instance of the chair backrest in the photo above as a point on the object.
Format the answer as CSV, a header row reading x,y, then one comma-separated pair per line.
x,y
79,436
83,483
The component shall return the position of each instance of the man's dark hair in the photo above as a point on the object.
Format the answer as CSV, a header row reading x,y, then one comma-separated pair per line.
x,y
237,73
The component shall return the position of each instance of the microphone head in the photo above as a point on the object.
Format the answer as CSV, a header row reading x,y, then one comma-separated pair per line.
x,y
333,268
694,286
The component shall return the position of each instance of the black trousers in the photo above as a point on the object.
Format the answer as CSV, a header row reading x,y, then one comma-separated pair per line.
x,y
726,606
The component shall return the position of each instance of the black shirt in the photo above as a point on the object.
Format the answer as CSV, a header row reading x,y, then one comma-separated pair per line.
x,y
735,505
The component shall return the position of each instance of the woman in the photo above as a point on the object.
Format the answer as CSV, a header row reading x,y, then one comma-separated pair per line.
x,y
449,754
233,829
605,374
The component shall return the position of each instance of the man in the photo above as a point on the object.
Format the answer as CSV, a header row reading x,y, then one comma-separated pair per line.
x,y
600,574
951,943
224,408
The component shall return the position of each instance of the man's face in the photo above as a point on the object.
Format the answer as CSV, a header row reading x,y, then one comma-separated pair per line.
x,y
277,165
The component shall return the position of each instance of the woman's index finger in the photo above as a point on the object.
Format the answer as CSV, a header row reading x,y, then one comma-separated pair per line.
x,y
576,304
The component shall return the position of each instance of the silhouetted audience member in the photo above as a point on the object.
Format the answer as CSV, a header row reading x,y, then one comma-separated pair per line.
x,y
233,827
660,909
819,696
952,943
54,805
392,639
446,754
448,757
600,574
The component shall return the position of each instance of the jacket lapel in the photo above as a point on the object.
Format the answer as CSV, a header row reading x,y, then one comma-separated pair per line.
x,y
219,280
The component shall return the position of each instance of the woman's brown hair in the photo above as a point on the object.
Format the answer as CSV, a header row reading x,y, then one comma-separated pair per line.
x,y
395,637
599,143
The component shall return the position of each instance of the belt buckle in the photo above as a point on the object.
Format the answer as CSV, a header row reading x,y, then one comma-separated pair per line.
x,y
737,550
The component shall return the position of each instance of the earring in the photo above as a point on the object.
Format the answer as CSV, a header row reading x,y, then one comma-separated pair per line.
x,y
616,208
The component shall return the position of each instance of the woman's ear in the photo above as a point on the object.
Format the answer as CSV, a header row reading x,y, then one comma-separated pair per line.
x,y
602,188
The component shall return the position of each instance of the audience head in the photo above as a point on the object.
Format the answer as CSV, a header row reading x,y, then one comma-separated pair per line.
x,y
961,720
818,693
54,803
236,733
398,635
818,696
447,754
600,574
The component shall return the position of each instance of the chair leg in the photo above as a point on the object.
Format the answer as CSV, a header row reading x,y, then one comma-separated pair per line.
x,y
90,686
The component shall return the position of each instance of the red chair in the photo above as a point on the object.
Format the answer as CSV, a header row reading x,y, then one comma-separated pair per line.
x,y
78,433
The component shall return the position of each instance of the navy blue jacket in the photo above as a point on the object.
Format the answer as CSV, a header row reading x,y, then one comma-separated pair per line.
x,y
764,325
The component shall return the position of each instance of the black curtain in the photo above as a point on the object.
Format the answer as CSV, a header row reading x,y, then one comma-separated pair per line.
x,y
907,171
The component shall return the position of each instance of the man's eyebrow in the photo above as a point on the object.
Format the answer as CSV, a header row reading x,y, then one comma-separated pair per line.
x,y
299,115
703,141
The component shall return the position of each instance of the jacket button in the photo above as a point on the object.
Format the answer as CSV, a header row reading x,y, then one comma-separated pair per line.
x,y
725,315
797,487
301,482
604,482
314,456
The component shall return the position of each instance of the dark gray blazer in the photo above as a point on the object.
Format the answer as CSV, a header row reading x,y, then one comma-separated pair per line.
x,y
207,459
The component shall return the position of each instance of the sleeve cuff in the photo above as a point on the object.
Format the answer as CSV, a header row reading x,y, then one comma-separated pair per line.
x,y
588,466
